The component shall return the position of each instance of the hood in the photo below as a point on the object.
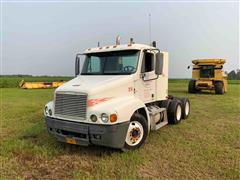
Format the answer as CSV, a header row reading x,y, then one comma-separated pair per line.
x,y
93,85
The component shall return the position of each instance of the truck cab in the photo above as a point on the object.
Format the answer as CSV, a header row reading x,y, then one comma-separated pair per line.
x,y
116,98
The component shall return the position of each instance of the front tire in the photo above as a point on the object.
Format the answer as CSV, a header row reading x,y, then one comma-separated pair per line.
x,y
137,132
174,112
219,89
192,86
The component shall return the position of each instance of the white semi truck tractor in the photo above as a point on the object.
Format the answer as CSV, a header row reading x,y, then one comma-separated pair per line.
x,y
118,97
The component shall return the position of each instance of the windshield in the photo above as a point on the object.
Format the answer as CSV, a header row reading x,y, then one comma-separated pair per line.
x,y
207,72
111,63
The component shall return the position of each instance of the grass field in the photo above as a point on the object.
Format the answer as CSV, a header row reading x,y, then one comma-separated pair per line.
x,y
205,146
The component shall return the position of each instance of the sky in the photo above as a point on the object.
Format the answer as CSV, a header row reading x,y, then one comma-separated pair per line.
x,y
42,38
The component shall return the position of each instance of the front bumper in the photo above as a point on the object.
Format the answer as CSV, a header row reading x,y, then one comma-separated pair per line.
x,y
205,85
86,134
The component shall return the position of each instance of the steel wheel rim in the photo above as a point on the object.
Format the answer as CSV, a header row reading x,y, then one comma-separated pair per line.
x,y
187,108
135,133
178,113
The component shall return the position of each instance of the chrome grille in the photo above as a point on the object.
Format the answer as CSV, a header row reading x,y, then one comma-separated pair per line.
x,y
71,105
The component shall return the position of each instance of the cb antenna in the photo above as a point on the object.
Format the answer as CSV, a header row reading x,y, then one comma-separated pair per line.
x,y
149,22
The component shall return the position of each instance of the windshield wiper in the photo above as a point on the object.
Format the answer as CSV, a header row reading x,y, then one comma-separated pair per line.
x,y
117,73
91,74
108,73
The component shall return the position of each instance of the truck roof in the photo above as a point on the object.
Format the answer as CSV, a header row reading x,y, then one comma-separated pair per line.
x,y
208,61
118,48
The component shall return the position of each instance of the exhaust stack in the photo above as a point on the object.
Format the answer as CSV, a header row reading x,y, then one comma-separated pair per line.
x,y
154,44
118,40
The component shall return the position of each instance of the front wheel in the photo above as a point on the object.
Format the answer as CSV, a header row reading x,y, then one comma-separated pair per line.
x,y
192,86
219,89
137,132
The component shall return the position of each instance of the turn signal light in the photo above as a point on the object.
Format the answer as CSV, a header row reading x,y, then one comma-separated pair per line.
x,y
113,118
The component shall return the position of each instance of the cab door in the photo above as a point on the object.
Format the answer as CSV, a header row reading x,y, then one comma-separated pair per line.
x,y
145,86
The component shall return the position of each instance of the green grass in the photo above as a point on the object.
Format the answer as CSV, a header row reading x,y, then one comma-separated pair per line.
x,y
205,146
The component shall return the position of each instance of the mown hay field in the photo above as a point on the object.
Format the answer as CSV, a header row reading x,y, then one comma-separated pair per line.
x,y
205,146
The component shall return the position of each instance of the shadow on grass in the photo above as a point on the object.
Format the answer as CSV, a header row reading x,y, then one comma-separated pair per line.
x,y
41,139
205,93
178,91
94,150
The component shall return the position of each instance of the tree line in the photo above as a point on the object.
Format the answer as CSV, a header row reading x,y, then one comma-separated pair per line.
x,y
234,74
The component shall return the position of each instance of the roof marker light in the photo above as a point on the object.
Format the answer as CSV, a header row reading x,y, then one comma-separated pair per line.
x,y
130,42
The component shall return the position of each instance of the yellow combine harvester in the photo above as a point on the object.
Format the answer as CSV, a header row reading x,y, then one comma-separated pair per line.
x,y
208,74
40,85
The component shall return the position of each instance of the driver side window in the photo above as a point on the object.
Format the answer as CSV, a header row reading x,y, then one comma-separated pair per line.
x,y
148,62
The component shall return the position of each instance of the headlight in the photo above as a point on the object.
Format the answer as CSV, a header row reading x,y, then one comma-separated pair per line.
x,y
104,117
50,112
93,118
46,110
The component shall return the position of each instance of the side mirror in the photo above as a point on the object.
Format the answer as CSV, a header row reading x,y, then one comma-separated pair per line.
x,y
159,64
77,63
